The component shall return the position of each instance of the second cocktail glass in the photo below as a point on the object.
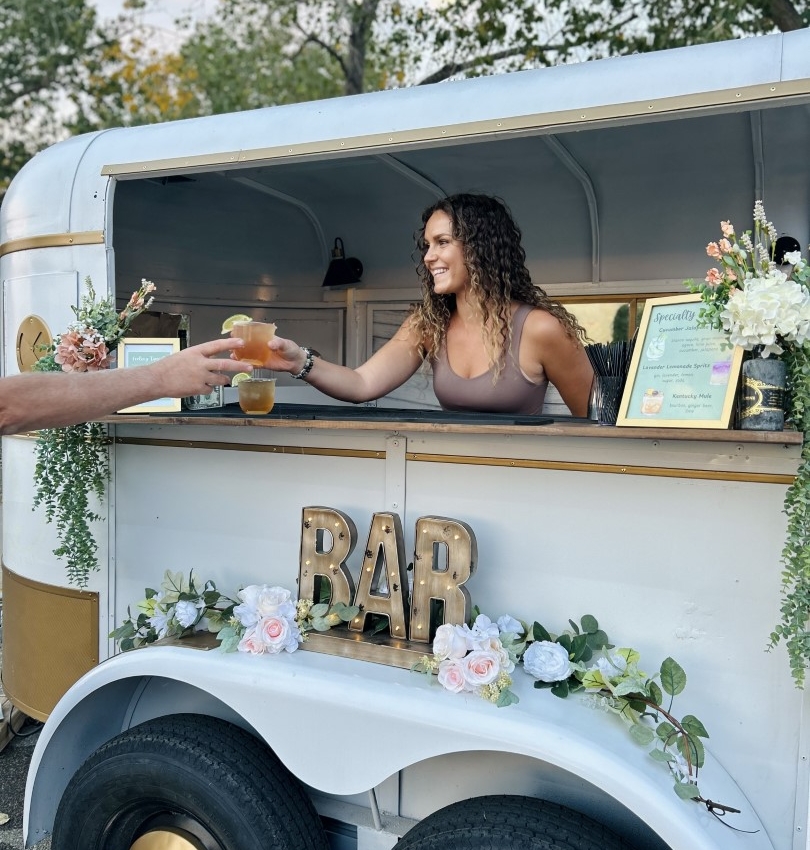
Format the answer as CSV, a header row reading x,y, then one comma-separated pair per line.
x,y
257,395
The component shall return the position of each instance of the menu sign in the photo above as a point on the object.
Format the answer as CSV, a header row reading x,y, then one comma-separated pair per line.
x,y
681,375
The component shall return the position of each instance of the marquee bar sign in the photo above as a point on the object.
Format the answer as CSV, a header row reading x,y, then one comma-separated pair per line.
x,y
444,559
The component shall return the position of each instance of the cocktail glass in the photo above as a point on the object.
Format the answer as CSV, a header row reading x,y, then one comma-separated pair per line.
x,y
256,336
257,395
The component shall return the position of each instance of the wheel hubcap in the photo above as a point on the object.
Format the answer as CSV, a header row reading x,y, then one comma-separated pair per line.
x,y
167,839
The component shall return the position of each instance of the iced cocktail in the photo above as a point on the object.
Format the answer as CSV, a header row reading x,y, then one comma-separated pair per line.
x,y
256,336
257,395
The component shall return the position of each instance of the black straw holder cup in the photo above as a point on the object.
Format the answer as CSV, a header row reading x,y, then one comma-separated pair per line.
x,y
606,396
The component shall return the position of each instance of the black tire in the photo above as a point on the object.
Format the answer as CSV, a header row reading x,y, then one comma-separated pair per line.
x,y
509,823
213,784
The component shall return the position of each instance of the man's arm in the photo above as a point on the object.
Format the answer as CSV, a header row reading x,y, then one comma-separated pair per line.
x,y
53,399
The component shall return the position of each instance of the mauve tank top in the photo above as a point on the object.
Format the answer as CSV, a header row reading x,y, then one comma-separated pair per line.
x,y
513,392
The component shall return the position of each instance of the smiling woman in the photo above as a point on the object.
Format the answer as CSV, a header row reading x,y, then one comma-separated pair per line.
x,y
493,338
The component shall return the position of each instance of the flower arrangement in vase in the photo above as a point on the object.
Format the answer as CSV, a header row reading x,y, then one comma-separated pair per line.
x,y
761,298
72,462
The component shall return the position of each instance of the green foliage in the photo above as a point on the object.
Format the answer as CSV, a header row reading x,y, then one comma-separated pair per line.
x,y
72,467
615,683
43,44
795,607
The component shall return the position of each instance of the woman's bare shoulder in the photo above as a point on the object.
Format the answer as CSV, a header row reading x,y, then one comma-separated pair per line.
x,y
544,327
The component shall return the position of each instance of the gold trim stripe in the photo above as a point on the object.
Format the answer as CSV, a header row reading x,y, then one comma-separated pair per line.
x,y
692,103
610,468
475,460
53,240
243,447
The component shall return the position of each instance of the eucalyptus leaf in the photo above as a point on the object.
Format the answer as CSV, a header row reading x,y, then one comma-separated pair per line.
x,y
589,624
320,625
539,633
319,610
506,697
660,755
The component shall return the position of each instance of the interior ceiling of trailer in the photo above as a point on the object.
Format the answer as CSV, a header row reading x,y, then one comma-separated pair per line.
x,y
659,191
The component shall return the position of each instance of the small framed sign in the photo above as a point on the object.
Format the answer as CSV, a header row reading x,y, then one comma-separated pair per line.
x,y
681,375
141,351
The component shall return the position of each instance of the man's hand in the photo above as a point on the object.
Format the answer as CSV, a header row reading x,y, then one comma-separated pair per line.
x,y
196,370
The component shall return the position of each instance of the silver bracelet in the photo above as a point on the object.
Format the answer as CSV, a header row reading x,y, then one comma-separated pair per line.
x,y
308,363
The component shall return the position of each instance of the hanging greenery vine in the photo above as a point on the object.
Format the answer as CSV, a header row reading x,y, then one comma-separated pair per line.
x,y
795,608
72,466
73,462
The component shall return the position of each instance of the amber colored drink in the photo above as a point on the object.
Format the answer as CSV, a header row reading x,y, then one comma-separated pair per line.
x,y
256,336
257,395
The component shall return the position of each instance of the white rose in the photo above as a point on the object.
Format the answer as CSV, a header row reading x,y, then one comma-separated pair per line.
x,y
451,675
274,601
449,642
481,667
185,612
510,625
547,661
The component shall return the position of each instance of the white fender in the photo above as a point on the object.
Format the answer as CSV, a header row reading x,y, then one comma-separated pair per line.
x,y
283,698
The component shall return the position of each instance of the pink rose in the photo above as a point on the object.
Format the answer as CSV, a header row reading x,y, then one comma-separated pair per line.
x,y
451,675
713,250
251,642
727,228
725,246
273,632
481,667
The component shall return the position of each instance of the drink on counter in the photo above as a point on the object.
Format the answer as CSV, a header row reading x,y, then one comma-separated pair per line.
x,y
257,395
256,336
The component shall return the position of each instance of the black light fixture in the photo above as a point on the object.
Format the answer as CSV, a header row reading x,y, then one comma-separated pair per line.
x,y
343,270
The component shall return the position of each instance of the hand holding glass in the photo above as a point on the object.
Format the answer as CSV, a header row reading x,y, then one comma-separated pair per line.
x,y
256,336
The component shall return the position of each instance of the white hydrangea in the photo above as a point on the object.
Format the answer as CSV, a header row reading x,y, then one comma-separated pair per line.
x,y
767,309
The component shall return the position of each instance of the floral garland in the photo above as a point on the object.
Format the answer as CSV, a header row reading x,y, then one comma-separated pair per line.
x,y
476,658
72,463
479,659
261,620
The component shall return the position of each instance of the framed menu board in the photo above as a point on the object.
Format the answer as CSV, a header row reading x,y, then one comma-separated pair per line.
x,y
681,375
141,351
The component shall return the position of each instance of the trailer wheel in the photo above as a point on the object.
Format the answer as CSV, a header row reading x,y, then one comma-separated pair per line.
x,y
483,823
187,782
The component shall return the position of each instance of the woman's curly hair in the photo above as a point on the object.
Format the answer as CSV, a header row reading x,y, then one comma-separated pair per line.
x,y
496,264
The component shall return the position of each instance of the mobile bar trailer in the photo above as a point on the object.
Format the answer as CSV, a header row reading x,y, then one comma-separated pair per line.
x,y
618,172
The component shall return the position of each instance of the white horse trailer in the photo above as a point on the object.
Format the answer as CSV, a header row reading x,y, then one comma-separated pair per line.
x,y
618,172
